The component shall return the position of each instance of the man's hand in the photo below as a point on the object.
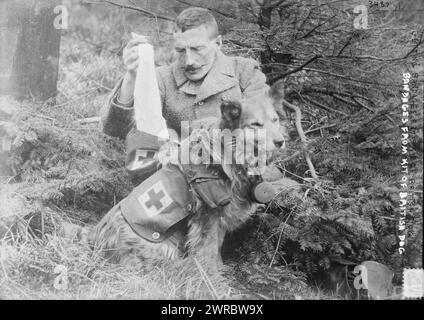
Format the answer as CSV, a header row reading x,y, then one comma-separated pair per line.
x,y
130,54
131,61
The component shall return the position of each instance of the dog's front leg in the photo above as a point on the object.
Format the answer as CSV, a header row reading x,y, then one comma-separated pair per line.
x,y
208,250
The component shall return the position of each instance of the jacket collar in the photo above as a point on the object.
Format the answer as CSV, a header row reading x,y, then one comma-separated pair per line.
x,y
220,77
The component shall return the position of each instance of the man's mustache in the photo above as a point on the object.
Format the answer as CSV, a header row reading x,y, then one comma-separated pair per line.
x,y
191,68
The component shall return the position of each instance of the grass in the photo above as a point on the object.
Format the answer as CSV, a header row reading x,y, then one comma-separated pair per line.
x,y
59,267
49,259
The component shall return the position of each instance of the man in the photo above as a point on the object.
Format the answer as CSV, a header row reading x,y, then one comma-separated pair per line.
x,y
192,88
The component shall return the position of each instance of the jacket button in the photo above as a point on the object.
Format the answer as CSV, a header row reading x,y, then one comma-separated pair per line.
x,y
189,207
155,235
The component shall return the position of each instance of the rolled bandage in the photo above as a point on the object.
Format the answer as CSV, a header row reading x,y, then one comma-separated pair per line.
x,y
147,101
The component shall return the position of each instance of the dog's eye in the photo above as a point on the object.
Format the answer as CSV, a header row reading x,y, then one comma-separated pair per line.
x,y
256,124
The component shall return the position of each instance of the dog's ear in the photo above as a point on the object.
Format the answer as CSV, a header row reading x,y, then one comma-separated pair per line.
x,y
276,93
230,112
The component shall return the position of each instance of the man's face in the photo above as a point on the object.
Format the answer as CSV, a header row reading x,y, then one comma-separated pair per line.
x,y
196,51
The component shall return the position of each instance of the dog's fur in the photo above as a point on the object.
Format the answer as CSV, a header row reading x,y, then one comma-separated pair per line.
x,y
206,227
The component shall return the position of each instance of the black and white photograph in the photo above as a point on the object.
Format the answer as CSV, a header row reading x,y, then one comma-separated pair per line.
x,y
238,152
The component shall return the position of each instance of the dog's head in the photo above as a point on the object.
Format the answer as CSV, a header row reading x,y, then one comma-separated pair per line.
x,y
260,120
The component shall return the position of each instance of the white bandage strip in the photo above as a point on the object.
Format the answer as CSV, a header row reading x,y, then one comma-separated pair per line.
x,y
147,102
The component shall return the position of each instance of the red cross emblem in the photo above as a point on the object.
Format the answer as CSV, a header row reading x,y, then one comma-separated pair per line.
x,y
155,199
143,159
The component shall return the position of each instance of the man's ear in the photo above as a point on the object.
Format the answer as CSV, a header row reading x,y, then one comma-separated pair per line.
x,y
218,41
230,112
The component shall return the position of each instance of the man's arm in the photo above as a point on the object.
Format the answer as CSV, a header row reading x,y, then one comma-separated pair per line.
x,y
126,92
117,116
118,113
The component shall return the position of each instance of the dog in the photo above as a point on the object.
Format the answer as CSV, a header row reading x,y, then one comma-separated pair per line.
x,y
201,230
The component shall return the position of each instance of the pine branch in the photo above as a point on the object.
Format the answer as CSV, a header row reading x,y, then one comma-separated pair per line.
x,y
297,69
136,8
302,136
316,27
374,58
225,14
324,107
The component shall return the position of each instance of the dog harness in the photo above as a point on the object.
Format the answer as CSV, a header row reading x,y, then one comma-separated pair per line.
x,y
157,209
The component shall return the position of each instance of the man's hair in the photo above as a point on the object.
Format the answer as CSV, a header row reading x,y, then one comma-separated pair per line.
x,y
194,17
